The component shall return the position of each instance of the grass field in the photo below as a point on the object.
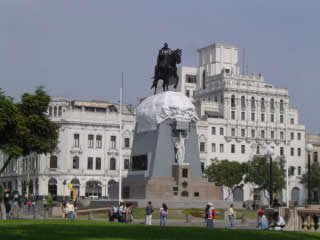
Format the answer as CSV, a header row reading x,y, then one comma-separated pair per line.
x,y
94,230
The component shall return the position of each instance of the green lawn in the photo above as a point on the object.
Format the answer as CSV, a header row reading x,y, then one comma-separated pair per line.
x,y
94,230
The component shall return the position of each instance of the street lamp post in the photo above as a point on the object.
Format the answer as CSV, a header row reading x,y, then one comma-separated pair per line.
x,y
309,148
269,154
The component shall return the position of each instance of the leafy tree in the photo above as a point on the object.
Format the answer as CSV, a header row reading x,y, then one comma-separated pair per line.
x,y
315,176
24,126
225,173
258,173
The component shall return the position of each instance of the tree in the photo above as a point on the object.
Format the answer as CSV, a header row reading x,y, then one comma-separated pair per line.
x,y
225,173
258,173
315,176
25,128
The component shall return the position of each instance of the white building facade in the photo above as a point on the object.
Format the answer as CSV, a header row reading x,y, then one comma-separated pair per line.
x,y
241,116
86,160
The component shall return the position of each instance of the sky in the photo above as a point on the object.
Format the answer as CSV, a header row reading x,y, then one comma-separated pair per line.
x,y
78,49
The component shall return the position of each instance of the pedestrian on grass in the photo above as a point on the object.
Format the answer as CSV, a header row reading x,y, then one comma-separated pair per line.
x,y
278,222
211,215
149,211
129,213
231,217
70,209
262,221
163,215
122,212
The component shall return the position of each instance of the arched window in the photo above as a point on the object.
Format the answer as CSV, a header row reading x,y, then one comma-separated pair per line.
x,y
253,104
233,101
54,111
75,162
243,102
50,111
272,105
112,164
204,79
263,107
52,188
53,161
126,164
281,106
59,111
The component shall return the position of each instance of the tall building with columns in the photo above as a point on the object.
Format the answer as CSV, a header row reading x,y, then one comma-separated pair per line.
x,y
241,116
86,160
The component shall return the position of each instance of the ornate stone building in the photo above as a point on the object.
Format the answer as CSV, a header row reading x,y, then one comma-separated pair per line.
x,y
87,155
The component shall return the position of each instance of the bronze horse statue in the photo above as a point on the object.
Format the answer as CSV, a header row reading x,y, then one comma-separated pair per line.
x,y
167,71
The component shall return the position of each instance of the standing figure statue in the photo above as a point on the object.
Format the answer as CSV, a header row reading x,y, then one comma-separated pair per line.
x,y
180,149
166,68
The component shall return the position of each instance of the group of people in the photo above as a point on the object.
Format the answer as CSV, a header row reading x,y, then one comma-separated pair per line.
x,y
210,216
277,223
68,209
163,211
124,213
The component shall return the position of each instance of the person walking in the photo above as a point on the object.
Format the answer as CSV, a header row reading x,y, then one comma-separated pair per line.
x,y
149,211
231,216
70,209
122,212
211,215
262,222
163,215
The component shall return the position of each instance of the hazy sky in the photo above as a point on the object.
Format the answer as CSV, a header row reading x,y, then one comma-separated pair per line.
x,y
78,49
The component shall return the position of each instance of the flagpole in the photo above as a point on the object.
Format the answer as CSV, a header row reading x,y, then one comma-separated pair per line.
x,y
120,140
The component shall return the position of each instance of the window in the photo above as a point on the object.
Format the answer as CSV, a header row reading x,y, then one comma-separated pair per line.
x,y
112,164
184,172
299,152
299,170
262,117
113,142
75,162
90,163
127,142
281,106
126,164
281,119
233,115
281,135
299,136
252,117
281,151
243,116
272,134
292,151
202,146
263,107
213,147
204,79
53,161
191,78
221,148
291,120
196,194
315,156
272,105
253,133
99,141
59,111
253,104
221,132
221,99
90,141
258,149
243,102
262,134
76,140
202,167
50,111
233,101
291,170
55,111
188,93
213,130
243,132
243,149
292,136
233,132
272,118
98,163
233,148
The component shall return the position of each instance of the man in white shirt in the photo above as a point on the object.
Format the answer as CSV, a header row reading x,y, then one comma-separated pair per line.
x,y
70,209
278,222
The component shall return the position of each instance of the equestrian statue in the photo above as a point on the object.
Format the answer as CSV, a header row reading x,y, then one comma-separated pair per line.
x,y
166,68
